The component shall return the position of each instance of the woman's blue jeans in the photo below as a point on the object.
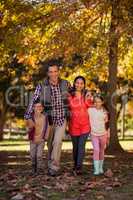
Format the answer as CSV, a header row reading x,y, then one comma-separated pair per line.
x,y
79,149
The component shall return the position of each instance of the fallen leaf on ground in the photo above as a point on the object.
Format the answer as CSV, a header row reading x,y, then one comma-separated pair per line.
x,y
109,173
40,196
47,187
90,185
100,197
18,197
62,186
116,164
117,184
108,188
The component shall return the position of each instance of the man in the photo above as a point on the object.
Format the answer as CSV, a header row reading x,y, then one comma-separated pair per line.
x,y
53,91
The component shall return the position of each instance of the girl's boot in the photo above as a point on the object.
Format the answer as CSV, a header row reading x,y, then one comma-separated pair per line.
x,y
96,167
101,166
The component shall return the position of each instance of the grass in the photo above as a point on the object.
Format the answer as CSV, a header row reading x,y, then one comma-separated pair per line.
x,y
23,145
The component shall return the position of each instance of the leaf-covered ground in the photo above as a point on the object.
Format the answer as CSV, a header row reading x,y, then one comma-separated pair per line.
x,y
17,184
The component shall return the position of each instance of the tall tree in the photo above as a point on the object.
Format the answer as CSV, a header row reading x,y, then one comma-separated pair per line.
x,y
81,33
113,72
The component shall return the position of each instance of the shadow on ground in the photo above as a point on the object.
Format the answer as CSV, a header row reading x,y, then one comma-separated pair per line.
x,y
16,182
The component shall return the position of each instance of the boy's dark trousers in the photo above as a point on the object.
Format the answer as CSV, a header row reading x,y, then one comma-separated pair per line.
x,y
36,153
79,150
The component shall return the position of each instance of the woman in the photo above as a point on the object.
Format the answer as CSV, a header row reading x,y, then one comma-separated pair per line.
x,y
79,126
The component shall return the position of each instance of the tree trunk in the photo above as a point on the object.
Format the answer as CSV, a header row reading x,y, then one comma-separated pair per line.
x,y
114,145
2,122
3,112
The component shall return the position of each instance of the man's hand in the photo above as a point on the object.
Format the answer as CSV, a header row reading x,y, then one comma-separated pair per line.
x,y
47,133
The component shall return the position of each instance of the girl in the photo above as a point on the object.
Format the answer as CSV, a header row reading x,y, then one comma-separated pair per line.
x,y
37,132
99,133
79,126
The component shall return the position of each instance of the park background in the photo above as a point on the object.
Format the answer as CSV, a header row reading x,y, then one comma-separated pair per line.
x,y
90,38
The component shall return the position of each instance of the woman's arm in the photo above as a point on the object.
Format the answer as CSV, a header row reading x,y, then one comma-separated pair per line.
x,y
47,132
47,128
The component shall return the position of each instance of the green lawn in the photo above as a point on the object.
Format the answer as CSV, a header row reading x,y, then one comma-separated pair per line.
x,y
15,145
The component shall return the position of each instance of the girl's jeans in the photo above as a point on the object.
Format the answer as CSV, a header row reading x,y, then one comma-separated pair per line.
x,y
99,145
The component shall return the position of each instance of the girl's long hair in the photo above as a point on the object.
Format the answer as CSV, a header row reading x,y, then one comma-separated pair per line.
x,y
99,96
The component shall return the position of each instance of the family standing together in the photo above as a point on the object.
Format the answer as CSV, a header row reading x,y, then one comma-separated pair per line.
x,y
56,105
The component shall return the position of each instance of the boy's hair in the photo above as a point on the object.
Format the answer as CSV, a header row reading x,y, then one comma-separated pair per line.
x,y
38,101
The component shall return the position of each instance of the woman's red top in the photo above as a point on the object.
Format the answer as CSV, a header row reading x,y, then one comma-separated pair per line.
x,y
79,119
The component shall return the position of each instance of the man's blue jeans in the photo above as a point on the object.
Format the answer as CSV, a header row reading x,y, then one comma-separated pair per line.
x,y
79,149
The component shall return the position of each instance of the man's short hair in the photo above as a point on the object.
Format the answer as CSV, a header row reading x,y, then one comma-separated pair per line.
x,y
52,66
52,62
38,101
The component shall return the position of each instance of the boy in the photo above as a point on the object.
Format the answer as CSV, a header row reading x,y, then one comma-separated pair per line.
x,y
37,132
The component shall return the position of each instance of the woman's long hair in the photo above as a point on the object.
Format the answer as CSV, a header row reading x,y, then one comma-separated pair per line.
x,y
73,89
